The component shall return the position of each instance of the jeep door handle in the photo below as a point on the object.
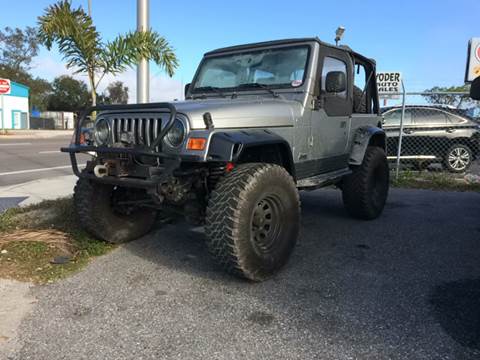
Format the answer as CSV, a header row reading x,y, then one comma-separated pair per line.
x,y
407,131
451,130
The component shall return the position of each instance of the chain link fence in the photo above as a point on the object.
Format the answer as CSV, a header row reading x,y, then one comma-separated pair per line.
x,y
433,132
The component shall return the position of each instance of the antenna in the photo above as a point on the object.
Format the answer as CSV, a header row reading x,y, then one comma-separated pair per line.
x,y
339,34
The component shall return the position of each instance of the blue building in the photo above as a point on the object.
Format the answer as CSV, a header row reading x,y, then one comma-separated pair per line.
x,y
14,107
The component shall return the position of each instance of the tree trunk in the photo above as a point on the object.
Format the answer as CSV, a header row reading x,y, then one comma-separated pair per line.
x,y
94,98
91,78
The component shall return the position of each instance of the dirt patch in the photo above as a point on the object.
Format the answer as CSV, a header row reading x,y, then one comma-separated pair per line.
x,y
44,242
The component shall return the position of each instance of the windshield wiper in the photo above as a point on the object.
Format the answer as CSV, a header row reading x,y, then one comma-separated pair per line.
x,y
257,86
209,89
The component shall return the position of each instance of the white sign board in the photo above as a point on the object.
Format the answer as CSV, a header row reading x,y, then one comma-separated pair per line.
x,y
5,87
473,60
389,84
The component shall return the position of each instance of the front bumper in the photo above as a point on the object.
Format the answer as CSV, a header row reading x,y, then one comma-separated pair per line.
x,y
144,176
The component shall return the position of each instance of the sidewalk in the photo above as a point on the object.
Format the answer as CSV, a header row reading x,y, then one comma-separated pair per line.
x,y
35,191
37,134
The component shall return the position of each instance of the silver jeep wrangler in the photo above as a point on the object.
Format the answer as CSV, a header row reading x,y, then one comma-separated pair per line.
x,y
259,123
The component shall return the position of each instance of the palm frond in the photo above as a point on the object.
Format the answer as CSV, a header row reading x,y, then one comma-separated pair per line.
x,y
74,33
80,44
127,50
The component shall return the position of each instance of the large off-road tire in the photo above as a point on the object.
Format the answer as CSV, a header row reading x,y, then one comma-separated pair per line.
x,y
458,158
253,220
98,215
365,191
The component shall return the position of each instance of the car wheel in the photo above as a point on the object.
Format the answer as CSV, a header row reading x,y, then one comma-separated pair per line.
x,y
253,220
365,191
458,158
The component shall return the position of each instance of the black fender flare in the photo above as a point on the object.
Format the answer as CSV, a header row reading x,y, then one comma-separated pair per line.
x,y
230,145
364,137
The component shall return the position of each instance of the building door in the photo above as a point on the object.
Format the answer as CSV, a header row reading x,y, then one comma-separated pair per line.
x,y
23,120
16,119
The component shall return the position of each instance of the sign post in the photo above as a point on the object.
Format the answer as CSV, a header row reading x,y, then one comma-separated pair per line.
x,y
400,136
473,60
390,86
5,87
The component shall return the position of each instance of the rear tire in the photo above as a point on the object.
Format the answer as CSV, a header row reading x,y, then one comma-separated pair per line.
x,y
365,191
253,220
96,213
458,158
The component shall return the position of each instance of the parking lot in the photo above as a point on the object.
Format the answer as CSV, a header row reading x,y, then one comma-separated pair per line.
x,y
406,286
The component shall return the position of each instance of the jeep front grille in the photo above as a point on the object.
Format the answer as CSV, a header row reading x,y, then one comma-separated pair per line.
x,y
141,130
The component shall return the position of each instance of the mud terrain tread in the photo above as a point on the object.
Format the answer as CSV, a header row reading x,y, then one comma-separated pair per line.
x,y
355,192
103,224
222,219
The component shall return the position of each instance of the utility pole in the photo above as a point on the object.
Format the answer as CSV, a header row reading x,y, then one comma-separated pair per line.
x,y
143,73
90,8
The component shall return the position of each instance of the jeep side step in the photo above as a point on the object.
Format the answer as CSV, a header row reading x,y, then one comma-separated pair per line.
x,y
317,181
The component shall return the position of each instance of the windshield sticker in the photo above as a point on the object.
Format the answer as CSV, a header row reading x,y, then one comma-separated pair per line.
x,y
296,83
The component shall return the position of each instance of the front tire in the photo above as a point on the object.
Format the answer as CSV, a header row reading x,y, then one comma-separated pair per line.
x,y
365,191
253,220
94,205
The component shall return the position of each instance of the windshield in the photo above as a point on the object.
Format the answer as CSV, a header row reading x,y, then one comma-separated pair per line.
x,y
272,68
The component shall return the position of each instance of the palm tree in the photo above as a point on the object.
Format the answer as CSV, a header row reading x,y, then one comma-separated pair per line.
x,y
84,51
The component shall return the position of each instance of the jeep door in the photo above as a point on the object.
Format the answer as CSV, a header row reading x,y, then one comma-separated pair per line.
x,y
331,120
365,110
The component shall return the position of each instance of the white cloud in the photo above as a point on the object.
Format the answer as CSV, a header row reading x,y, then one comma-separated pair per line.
x,y
162,88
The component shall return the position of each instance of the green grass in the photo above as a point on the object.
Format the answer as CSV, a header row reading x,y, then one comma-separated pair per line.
x,y
433,181
30,260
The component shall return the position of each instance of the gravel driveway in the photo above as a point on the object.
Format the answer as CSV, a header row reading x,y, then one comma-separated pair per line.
x,y
406,286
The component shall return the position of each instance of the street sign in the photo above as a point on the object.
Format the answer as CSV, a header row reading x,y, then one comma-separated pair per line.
x,y
389,84
5,87
473,60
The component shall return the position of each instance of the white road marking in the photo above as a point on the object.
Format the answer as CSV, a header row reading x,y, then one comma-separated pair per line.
x,y
38,170
50,152
16,144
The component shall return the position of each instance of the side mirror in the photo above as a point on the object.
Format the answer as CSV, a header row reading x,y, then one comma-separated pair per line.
x,y
335,82
475,89
187,87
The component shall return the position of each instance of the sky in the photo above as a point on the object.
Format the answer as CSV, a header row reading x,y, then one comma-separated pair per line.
x,y
426,40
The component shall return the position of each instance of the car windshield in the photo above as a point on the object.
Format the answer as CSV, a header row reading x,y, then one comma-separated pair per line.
x,y
256,69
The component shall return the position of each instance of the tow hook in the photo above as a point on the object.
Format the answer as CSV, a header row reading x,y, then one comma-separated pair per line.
x,y
100,171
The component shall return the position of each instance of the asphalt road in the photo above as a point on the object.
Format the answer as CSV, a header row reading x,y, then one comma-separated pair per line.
x,y
26,159
406,286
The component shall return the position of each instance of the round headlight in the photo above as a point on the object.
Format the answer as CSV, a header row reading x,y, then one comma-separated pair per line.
x,y
176,134
102,131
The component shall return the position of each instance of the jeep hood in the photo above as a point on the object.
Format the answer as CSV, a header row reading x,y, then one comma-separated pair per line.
x,y
240,113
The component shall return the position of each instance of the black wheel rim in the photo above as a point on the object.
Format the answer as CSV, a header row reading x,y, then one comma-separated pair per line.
x,y
266,224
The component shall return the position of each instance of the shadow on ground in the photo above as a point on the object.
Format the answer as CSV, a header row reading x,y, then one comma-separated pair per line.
x,y
457,308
